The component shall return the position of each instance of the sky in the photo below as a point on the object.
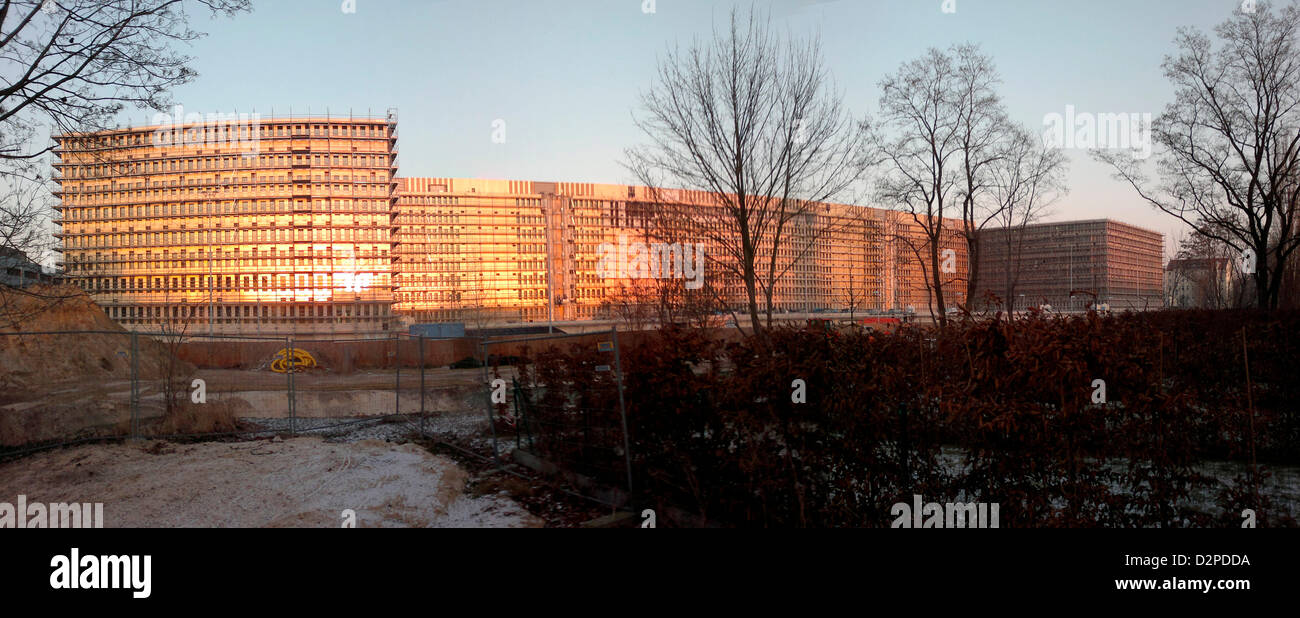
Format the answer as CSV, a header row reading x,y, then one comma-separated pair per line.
x,y
565,76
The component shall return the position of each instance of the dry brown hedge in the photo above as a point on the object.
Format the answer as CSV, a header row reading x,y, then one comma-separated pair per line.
x,y
988,410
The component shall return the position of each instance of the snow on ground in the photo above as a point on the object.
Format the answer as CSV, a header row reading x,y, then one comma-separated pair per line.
x,y
1282,486
466,429
300,482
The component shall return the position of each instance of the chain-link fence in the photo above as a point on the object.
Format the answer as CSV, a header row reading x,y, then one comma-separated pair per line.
x,y
59,388
578,433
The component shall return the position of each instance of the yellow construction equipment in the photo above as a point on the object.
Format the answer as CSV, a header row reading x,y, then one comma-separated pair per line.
x,y
302,359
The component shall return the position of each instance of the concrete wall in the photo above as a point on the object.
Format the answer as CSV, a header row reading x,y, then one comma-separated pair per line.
x,y
338,356
347,356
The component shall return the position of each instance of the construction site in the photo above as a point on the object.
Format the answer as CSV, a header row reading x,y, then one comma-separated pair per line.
x,y
172,431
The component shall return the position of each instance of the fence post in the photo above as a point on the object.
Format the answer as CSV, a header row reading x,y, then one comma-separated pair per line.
x,y
397,381
522,421
288,354
135,385
487,388
421,341
622,411
1250,408
514,395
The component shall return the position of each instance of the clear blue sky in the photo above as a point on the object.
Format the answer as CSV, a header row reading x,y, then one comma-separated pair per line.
x,y
565,74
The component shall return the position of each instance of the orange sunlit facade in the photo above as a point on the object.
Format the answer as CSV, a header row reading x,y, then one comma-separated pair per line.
x,y
494,251
301,226
269,227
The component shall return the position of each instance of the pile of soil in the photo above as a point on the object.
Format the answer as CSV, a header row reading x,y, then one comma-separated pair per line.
x,y
50,308
27,362
76,382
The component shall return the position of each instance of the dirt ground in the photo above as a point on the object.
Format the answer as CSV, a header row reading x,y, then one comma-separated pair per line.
x,y
77,385
63,409
301,482
355,454
324,380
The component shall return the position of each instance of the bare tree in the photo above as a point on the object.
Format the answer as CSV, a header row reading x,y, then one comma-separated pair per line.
x,y
24,214
632,305
72,66
172,333
1230,141
750,120
23,210
853,298
1024,182
475,313
919,137
76,63
985,137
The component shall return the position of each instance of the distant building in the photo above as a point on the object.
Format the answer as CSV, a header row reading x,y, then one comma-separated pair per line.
x,y
1200,283
486,252
17,270
281,226
302,226
1073,265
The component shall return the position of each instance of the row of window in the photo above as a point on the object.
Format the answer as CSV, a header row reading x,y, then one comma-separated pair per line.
x,y
230,127
282,206
74,169
253,258
266,189
350,281
89,240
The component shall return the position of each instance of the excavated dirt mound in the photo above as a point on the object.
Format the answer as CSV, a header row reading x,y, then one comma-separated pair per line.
x,y
56,385
51,307
33,360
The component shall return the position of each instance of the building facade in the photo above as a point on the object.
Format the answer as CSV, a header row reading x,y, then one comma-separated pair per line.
x,y
1201,283
501,251
1072,265
302,226
17,270
279,226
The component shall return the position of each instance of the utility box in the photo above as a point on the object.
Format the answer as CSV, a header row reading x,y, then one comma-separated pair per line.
x,y
442,330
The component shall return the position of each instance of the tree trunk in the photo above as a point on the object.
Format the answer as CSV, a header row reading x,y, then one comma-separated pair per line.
x,y
937,279
972,270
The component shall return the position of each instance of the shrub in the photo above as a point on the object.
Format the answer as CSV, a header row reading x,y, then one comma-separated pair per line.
x,y
989,411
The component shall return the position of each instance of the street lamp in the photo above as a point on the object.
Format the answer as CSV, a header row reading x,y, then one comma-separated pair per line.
x,y
207,202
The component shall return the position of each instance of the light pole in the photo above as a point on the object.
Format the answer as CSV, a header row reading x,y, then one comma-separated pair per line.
x,y
207,203
550,291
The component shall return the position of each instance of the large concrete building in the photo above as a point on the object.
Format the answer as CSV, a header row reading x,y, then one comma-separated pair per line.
x,y
477,250
1072,265
279,226
301,226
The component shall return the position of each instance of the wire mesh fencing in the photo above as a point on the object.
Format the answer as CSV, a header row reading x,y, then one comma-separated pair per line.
x,y
62,388
580,433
